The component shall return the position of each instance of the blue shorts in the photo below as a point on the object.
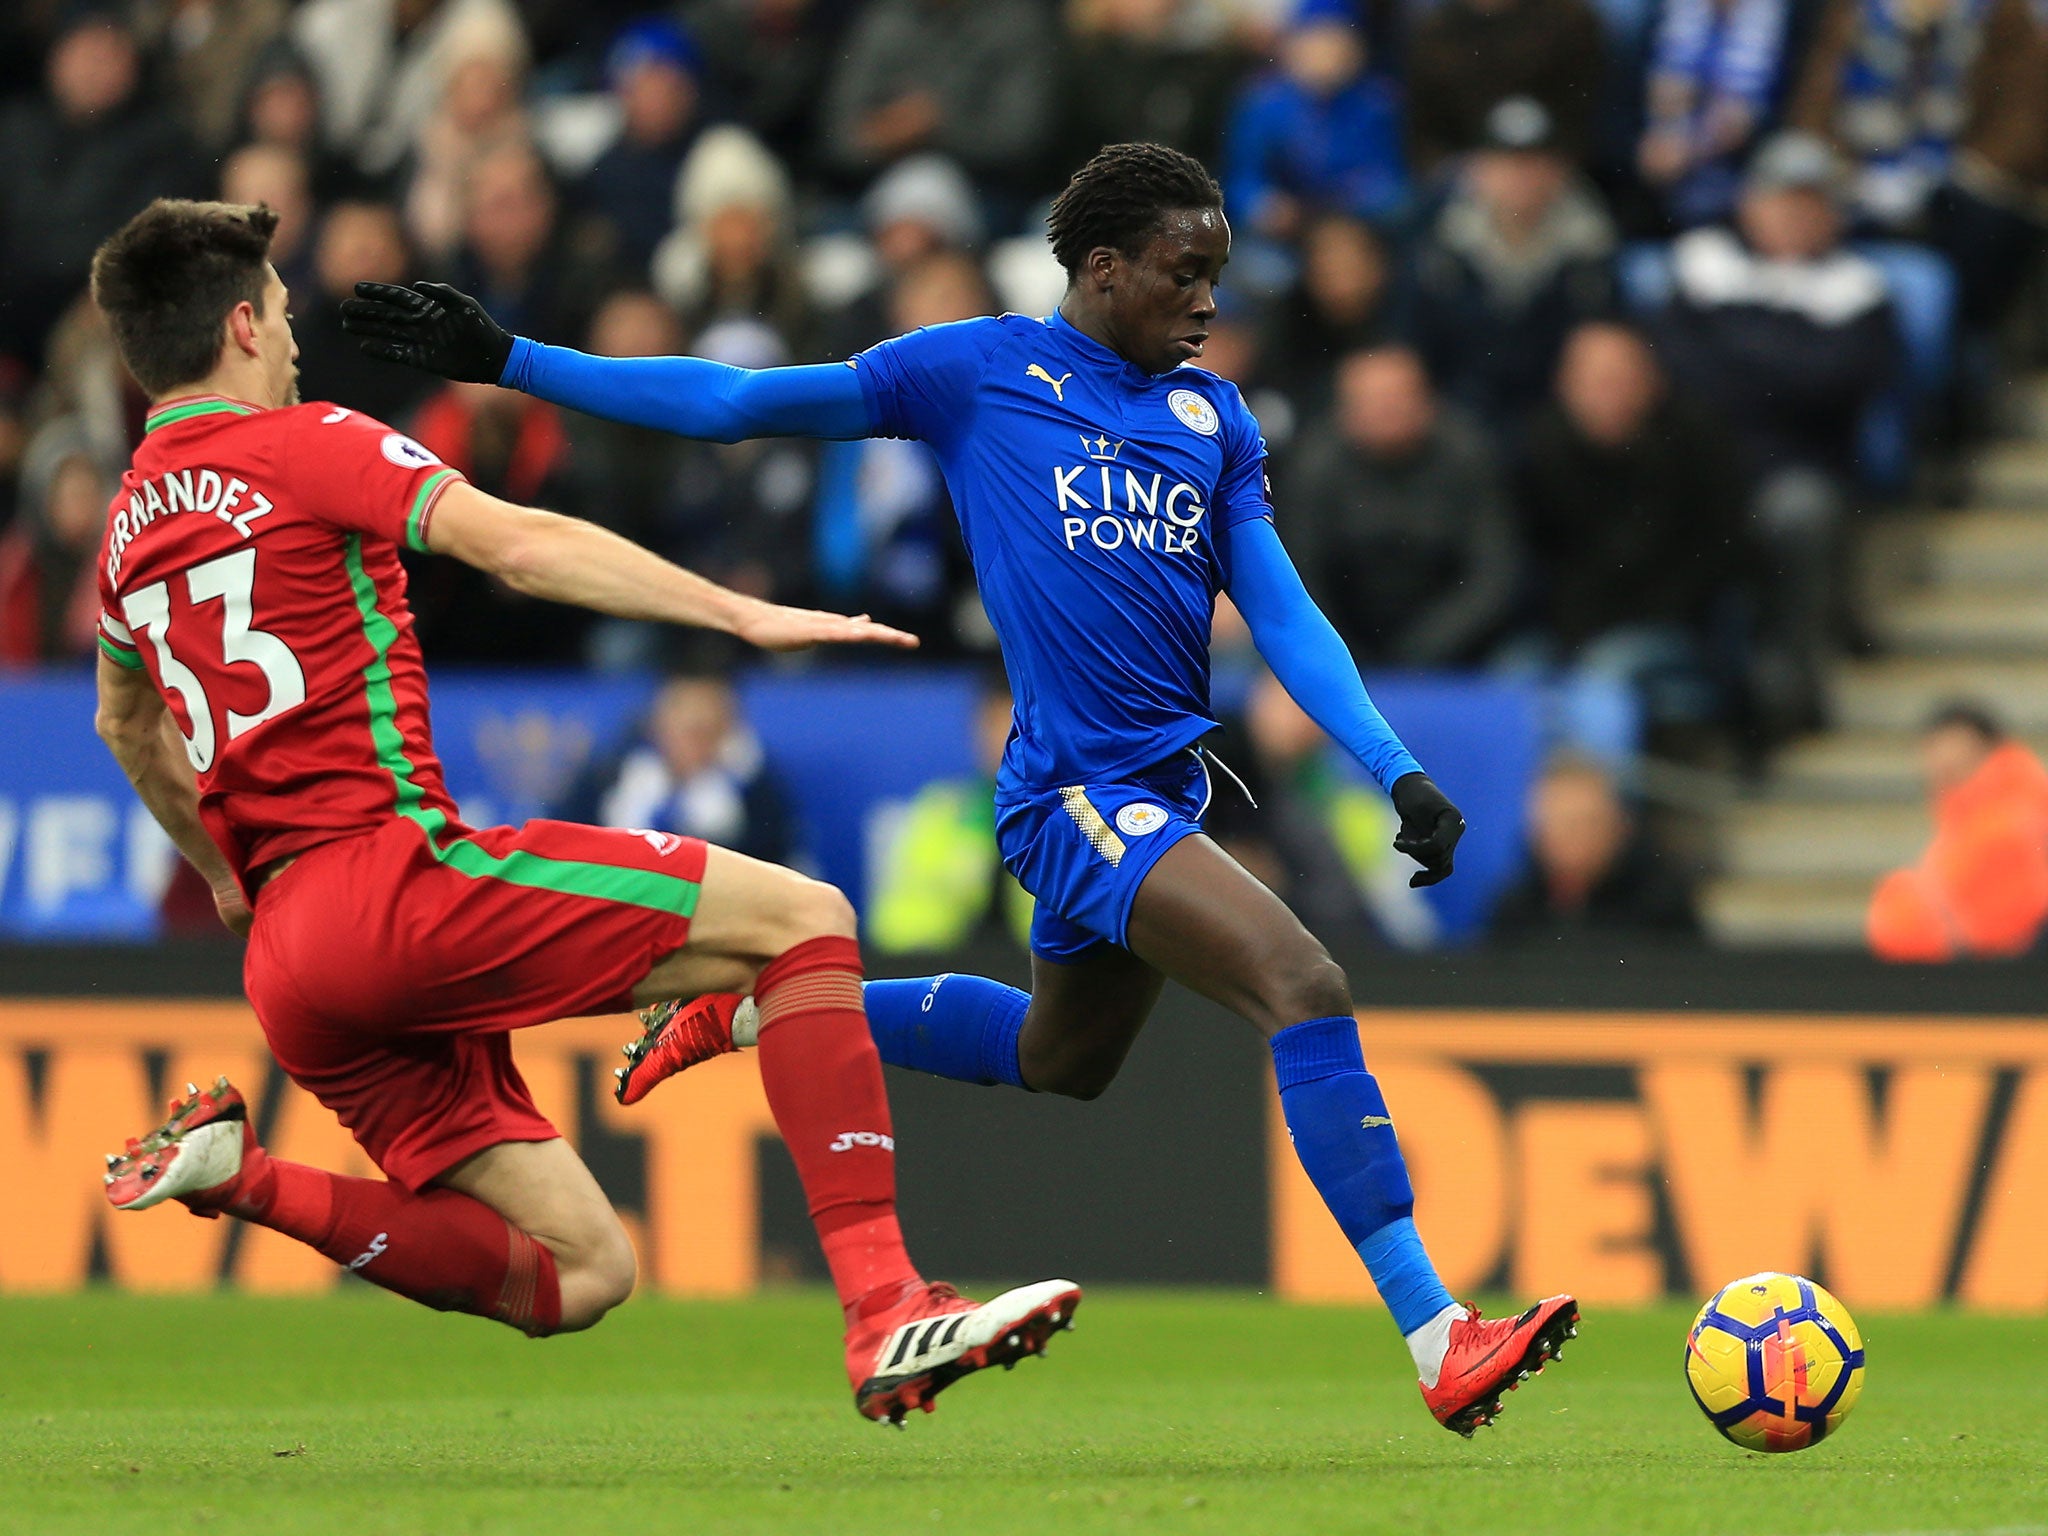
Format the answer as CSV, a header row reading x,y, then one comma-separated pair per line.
x,y
1083,850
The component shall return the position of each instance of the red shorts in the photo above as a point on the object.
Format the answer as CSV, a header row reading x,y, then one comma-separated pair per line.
x,y
387,970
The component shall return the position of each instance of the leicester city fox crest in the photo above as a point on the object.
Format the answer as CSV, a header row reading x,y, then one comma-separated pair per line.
x,y
1195,412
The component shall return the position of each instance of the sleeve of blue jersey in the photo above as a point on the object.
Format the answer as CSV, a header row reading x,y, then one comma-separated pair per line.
x,y
922,385
694,397
1306,653
1241,491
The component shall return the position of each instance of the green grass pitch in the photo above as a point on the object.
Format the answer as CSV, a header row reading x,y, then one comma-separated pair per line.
x,y
1162,1412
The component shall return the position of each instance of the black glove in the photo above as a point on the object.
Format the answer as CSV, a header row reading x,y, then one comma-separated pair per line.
x,y
429,326
1430,827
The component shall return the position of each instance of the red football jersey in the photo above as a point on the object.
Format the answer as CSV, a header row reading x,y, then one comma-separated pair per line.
x,y
251,565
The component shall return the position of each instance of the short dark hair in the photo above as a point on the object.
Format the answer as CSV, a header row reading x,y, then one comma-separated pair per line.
x,y
1965,714
168,279
1119,198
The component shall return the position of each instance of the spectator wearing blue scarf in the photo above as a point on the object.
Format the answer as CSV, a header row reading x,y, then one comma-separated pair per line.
x,y
1942,108
1714,78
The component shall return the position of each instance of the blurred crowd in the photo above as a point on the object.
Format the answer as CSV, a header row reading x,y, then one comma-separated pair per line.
x,y
1979,890
1583,332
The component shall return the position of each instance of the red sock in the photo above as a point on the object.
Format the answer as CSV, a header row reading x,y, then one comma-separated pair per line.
x,y
441,1247
824,1083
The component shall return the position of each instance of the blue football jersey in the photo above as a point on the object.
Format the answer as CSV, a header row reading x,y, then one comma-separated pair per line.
x,y
1096,502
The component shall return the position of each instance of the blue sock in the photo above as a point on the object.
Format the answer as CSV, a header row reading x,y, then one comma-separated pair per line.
x,y
962,1027
1338,1122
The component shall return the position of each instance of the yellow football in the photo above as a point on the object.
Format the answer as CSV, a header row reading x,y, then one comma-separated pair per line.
x,y
1774,1362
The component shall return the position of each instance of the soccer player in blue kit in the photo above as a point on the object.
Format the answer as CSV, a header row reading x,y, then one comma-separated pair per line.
x,y
1107,491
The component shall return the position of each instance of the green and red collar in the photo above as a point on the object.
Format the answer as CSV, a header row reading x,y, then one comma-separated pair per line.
x,y
185,407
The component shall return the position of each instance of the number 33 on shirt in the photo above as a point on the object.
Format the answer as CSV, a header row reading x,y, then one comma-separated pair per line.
x,y
250,564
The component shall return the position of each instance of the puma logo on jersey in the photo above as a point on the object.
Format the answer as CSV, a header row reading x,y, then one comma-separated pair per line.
x,y
1370,1121
663,843
1058,390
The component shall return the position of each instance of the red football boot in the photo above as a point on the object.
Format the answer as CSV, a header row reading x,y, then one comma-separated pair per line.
x,y
905,1355
197,1155
677,1035
1486,1359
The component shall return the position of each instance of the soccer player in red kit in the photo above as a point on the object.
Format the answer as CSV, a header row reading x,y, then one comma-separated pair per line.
x,y
261,685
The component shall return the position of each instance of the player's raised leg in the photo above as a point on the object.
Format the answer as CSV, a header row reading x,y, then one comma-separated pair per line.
x,y
1205,921
790,941
550,1258
1069,1034
544,1190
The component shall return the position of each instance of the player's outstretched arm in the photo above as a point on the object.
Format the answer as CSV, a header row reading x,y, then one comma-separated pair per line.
x,y
567,560
1309,657
436,328
139,731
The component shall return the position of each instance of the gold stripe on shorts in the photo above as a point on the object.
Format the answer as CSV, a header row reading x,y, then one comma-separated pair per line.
x,y
1098,832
